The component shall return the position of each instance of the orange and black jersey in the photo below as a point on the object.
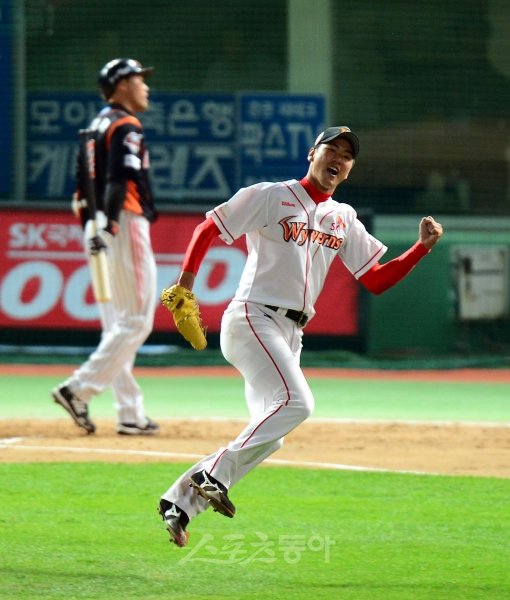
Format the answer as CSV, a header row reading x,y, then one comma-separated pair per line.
x,y
121,165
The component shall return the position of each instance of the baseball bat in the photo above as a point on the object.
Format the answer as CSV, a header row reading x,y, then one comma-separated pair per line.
x,y
98,261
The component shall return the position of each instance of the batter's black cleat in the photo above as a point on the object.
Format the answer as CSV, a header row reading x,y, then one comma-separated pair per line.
x,y
150,428
74,406
213,491
176,521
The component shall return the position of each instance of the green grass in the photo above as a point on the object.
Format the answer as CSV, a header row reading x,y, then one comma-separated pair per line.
x,y
91,531
224,397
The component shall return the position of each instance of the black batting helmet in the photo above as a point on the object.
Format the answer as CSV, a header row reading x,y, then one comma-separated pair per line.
x,y
117,69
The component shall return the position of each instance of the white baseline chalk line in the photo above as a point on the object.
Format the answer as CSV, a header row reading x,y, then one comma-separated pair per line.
x,y
12,444
5,442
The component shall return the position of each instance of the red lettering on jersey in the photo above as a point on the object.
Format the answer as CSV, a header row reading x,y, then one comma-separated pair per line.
x,y
321,237
334,243
298,232
291,231
337,224
304,236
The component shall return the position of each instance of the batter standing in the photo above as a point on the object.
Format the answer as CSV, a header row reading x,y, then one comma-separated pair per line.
x,y
294,230
123,193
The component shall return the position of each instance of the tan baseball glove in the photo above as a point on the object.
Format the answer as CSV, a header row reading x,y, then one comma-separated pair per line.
x,y
183,305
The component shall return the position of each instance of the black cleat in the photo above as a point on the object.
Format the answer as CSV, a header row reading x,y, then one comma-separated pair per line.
x,y
150,428
176,521
74,406
214,492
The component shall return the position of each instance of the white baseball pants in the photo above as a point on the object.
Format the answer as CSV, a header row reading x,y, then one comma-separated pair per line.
x,y
126,321
265,348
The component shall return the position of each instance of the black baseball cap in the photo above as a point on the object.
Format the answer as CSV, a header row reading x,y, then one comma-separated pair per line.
x,y
331,133
117,69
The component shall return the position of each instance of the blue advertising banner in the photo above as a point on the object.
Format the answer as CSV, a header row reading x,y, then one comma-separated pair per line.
x,y
275,133
7,39
193,146
203,147
53,120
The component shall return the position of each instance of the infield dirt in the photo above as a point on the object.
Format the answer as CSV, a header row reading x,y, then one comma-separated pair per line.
x,y
459,449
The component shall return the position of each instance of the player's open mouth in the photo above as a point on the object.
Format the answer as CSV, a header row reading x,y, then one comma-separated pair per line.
x,y
333,171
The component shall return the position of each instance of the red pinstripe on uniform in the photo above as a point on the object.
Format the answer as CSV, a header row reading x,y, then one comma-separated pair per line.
x,y
284,383
216,461
320,223
368,261
307,267
331,212
279,373
223,224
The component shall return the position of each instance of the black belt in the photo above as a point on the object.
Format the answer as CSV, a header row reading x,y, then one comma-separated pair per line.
x,y
300,318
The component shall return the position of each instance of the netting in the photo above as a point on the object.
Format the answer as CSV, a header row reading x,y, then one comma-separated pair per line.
x,y
426,85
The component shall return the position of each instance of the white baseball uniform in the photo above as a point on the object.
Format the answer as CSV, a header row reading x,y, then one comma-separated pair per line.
x,y
123,193
291,242
127,320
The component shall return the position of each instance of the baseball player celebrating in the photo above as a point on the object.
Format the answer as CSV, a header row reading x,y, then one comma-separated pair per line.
x,y
294,230
122,191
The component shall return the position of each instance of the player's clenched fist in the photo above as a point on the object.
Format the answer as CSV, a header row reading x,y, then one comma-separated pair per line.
x,y
430,231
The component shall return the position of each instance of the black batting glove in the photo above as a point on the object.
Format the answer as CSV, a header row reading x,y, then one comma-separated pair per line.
x,y
96,245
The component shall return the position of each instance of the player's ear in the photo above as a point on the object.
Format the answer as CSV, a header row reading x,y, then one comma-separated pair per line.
x,y
311,154
122,85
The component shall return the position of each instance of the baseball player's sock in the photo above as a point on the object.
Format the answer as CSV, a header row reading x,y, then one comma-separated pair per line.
x,y
213,491
176,521
74,406
149,428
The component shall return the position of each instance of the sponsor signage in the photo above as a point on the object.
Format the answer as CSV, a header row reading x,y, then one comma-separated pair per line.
x,y
45,281
203,147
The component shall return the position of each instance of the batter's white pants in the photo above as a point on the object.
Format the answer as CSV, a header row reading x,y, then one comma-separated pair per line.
x,y
126,321
265,348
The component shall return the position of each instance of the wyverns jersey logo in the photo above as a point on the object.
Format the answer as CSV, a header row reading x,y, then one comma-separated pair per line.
x,y
299,233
